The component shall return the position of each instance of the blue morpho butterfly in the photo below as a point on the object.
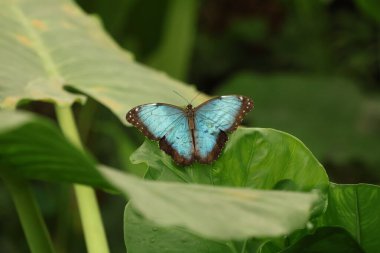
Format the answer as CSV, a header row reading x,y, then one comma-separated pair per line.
x,y
191,134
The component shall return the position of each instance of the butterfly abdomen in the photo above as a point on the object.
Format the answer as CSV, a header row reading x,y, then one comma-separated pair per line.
x,y
190,116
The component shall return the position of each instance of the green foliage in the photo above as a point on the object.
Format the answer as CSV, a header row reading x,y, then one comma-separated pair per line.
x,y
327,240
58,46
167,204
33,148
352,207
251,159
142,235
220,212
173,54
267,192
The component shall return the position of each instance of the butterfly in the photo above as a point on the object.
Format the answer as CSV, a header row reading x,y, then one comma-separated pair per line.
x,y
191,134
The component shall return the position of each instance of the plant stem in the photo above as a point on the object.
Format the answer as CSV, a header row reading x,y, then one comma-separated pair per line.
x,y
243,249
94,233
178,34
232,247
86,118
35,230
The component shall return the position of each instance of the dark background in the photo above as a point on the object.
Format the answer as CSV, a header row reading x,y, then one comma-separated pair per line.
x,y
312,67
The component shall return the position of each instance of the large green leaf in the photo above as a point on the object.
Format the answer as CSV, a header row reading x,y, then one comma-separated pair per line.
x,y
327,113
33,148
47,45
217,212
142,235
355,208
254,157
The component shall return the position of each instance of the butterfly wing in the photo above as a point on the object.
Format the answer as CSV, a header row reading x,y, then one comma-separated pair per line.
x,y
213,120
169,125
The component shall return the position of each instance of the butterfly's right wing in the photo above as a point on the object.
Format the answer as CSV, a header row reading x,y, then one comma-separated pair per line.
x,y
169,125
213,120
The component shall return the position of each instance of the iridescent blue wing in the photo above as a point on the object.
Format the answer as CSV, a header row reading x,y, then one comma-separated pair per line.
x,y
213,120
169,125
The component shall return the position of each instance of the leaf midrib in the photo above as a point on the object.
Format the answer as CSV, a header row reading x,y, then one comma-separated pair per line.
x,y
38,45
357,216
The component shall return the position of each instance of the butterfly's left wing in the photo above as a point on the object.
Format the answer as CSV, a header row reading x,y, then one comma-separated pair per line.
x,y
213,120
167,124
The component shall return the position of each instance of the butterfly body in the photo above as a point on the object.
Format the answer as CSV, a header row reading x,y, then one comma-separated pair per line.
x,y
191,134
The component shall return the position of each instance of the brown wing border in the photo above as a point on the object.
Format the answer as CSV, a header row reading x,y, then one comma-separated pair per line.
x,y
178,159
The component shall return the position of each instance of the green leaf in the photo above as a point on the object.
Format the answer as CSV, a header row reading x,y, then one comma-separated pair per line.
x,y
327,240
254,157
46,46
355,208
33,148
326,113
142,235
217,212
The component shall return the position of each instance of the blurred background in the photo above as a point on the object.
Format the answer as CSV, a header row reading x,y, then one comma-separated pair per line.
x,y
312,68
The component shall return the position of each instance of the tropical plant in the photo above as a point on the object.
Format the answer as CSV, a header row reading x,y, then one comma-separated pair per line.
x,y
266,193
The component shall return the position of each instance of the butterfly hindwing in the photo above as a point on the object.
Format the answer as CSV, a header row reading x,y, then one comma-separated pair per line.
x,y
178,142
169,125
209,140
213,119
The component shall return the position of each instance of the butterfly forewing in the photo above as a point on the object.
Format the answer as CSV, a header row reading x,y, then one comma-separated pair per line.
x,y
213,119
168,124
154,120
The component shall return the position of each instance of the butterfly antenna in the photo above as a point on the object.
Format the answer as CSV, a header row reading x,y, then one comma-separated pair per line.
x,y
187,101
195,97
